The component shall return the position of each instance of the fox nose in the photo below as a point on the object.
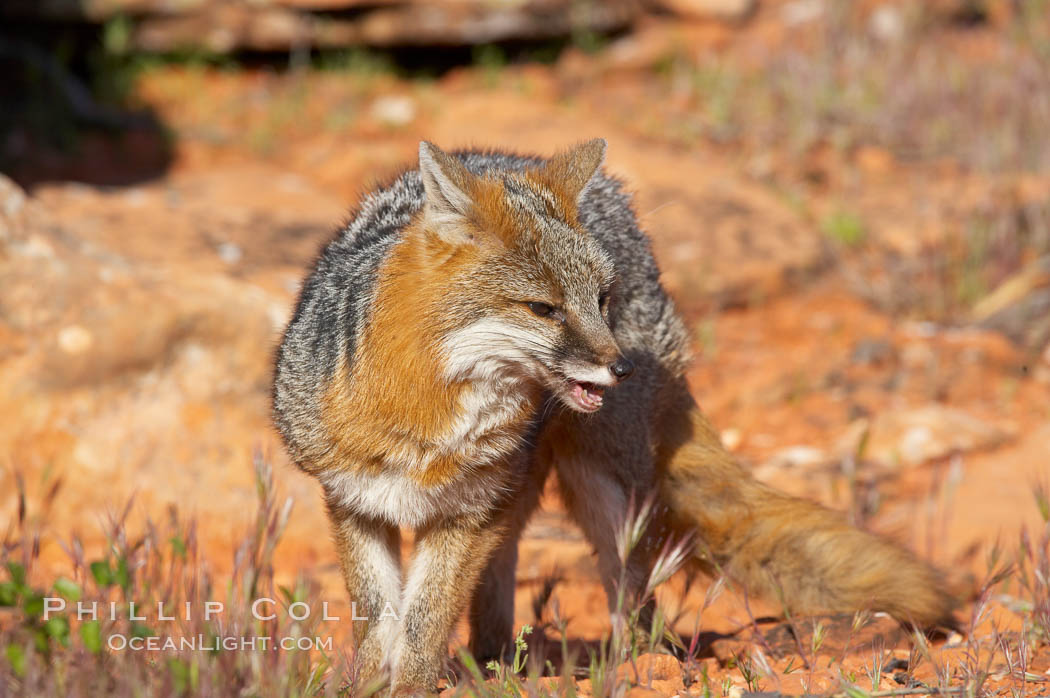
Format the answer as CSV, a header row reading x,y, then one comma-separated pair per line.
x,y
621,368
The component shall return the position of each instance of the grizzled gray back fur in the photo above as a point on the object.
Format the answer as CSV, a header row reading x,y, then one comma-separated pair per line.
x,y
335,300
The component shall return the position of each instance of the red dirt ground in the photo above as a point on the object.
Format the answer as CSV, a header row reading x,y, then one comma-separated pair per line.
x,y
126,380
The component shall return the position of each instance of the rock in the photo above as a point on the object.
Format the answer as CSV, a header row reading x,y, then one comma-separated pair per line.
x,y
394,110
12,200
795,457
731,439
914,436
874,160
872,351
801,11
641,49
14,215
651,667
230,253
74,339
644,692
159,25
886,23
917,355
733,10
1042,371
761,247
554,686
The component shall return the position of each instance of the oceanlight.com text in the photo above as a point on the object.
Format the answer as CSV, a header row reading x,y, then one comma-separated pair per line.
x,y
210,643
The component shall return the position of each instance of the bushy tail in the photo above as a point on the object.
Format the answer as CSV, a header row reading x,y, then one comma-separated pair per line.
x,y
784,548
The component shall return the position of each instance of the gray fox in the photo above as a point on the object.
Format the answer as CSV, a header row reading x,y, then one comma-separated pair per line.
x,y
488,317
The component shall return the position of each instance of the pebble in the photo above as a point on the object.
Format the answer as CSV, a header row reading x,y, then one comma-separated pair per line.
x,y
74,339
230,252
731,439
394,110
886,23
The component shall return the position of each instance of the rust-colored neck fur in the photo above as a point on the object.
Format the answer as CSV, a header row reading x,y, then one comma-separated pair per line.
x,y
397,407
396,392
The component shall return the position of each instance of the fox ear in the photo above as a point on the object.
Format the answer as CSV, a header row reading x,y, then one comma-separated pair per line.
x,y
573,170
445,182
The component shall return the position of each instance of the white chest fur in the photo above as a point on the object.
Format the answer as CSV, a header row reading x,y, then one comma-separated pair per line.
x,y
487,429
400,500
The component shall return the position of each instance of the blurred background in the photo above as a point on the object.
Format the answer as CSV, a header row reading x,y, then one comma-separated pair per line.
x,y
850,202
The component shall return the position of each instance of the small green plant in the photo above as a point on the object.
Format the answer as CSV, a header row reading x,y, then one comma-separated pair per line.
x,y
113,67
38,631
705,682
588,40
716,88
820,632
844,228
971,284
359,61
491,60
746,667
878,660
518,663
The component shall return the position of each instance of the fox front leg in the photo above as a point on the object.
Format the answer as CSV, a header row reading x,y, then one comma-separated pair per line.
x,y
444,573
369,554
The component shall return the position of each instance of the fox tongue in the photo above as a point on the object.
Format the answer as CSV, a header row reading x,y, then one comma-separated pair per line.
x,y
587,396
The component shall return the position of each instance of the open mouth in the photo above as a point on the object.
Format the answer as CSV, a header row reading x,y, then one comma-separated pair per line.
x,y
587,396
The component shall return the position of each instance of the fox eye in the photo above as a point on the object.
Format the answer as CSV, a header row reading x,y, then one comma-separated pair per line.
x,y
540,309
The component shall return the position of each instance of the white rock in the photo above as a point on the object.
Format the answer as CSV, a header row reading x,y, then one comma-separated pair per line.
x,y
797,457
135,197
913,436
230,252
12,197
37,247
394,110
886,23
731,439
916,442
74,339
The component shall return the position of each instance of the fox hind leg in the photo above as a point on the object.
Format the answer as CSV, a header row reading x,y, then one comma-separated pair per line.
x,y
604,463
492,608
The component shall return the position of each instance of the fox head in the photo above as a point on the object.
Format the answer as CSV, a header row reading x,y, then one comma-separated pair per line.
x,y
526,290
